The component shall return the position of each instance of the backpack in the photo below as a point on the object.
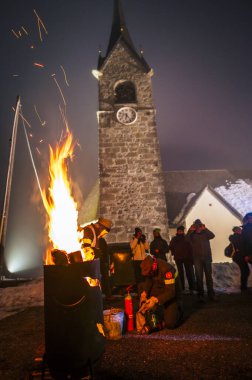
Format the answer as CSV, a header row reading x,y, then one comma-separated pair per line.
x,y
229,251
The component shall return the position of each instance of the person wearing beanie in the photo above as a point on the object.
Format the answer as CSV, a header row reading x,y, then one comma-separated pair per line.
x,y
239,255
139,248
160,292
181,250
200,237
159,246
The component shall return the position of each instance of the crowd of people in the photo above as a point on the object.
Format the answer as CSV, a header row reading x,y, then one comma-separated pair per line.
x,y
161,282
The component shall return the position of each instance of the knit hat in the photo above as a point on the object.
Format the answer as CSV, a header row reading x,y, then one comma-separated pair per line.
x,y
137,229
106,223
235,228
157,229
197,222
180,228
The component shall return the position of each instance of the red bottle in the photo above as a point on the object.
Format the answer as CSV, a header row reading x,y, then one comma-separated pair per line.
x,y
128,305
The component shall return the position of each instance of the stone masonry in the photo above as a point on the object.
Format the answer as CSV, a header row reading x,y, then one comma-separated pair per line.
x,y
131,180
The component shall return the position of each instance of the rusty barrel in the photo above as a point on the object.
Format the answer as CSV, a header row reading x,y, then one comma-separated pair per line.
x,y
74,340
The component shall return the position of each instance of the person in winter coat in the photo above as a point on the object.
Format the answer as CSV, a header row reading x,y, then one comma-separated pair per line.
x,y
161,288
90,235
239,256
159,246
247,236
181,249
199,237
139,247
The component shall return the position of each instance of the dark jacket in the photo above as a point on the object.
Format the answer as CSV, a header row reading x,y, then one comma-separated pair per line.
x,y
200,243
247,238
159,247
181,248
238,243
164,284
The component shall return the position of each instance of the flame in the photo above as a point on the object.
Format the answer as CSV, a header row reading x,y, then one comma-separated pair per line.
x,y
58,200
92,282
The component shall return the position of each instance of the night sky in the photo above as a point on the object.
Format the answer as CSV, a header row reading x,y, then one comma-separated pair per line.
x,y
200,51
201,54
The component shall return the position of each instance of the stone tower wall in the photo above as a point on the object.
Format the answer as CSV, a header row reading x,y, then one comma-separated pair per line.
x,y
131,182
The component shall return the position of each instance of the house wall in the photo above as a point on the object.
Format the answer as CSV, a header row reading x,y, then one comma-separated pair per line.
x,y
218,219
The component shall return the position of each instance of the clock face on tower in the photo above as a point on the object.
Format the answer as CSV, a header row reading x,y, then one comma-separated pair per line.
x,y
126,115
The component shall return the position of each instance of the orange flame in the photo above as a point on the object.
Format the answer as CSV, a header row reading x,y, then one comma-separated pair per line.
x,y
58,200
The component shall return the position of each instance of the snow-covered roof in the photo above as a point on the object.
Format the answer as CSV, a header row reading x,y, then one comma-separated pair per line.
x,y
182,188
192,199
238,195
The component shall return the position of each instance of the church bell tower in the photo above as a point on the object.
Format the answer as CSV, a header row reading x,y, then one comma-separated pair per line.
x,y
130,173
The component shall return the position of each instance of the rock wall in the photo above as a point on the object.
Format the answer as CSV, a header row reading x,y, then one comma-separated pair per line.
x,y
131,180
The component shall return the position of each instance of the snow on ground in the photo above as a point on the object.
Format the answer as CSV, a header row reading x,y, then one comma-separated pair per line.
x,y
17,298
226,278
238,194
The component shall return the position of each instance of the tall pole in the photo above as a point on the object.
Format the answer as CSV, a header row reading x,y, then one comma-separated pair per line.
x,y
6,204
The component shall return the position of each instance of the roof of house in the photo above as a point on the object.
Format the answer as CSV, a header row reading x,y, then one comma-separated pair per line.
x,y
192,202
183,188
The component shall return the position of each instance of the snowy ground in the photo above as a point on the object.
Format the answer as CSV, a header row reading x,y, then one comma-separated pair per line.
x,y
14,299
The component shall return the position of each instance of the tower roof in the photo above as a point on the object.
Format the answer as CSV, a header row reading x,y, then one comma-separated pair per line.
x,y
119,31
119,28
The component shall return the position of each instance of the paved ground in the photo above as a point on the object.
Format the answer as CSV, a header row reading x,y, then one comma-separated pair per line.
x,y
214,342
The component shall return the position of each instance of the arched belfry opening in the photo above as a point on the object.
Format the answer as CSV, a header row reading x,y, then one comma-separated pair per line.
x,y
125,92
130,172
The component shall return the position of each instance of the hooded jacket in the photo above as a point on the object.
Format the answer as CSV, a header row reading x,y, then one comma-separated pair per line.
x,y
200,243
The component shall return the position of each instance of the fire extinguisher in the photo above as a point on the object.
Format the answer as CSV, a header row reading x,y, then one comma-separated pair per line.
x,y
128,305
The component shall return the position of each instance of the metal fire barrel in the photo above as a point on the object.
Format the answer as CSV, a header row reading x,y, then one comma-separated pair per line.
x,y
73,316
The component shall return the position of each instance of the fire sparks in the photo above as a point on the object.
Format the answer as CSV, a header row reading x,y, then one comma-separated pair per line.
x,y
59,202
38,64
43,123
40,24
62,68
15,34
60,91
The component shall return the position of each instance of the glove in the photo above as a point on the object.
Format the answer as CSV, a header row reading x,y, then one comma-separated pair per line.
x,y
143,298
149,304
192,228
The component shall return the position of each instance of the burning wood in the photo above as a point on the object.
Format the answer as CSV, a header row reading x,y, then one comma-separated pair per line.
x,y
92,282
63,231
